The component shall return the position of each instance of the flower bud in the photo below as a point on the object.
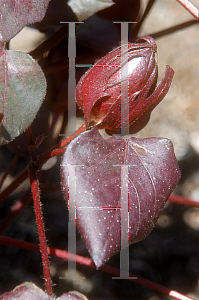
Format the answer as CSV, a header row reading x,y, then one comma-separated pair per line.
x,y
98,92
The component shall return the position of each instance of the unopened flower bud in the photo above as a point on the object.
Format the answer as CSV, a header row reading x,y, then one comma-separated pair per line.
x,y
98,92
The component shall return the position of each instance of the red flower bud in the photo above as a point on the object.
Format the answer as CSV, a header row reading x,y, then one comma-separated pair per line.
x,y
98,92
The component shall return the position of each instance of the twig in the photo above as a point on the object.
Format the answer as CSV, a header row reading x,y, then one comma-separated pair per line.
x,y
49,43
190,8
172,29
41,160
54,67
145,14
59,148
88,262
9,169
15,211
14,184
183,201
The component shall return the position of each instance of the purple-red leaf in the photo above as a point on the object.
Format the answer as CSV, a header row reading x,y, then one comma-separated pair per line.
x,y
15,14
22,90
92,167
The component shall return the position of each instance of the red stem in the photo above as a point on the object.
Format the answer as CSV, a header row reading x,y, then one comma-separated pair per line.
x,y
42,159
190,8
33,167
183,201
40,227
88,262
56,150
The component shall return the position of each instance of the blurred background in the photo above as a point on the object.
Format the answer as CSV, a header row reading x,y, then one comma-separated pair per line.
x,y
170,254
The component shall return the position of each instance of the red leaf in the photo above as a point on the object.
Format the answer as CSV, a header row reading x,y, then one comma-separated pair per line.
x,y
15,14
95,187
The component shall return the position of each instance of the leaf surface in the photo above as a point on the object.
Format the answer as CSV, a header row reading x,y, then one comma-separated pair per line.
x,y
15,14
95,187
22,90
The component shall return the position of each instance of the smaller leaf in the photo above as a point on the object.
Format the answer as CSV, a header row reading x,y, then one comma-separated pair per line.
x,y
87,8
22,90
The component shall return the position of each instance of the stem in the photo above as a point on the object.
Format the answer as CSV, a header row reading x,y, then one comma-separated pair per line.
x,y
55,118
38,213
172,29
63,65
42,159
49,43
14,184
63,128
145,14
183,201
56,150
190,8
15,211
54,67
88,262
8,170
67,140
41,229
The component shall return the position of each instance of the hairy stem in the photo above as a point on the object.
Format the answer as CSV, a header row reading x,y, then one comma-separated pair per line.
x,y
41,229
38,213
